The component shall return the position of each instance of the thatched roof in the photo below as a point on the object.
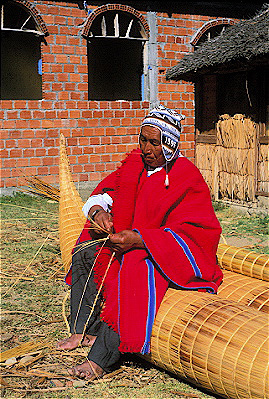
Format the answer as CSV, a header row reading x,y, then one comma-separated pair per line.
x,y
238,46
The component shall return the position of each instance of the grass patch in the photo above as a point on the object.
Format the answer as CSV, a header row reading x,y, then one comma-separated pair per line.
x,y
32,296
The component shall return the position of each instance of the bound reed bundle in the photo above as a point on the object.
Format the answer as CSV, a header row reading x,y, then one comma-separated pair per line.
x,y
241,260
263,169
213,343
246,290
205,162
71,217
236,142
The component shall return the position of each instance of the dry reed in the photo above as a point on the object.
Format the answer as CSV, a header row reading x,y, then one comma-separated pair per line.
x,y
235,152
71,217
213,343
23,349
230,167
245,290
37,186
263,169
206,163
241,260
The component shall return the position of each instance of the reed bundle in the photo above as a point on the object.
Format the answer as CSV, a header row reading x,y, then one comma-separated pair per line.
x,y
236,141
263,169
71,217
205,162
245,290
241,260
236,131
23,349
213,343
39,187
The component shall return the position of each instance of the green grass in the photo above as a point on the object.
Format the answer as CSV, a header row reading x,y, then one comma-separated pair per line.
x,y
32,307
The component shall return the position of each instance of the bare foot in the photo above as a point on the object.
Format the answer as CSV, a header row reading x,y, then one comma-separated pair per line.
x,y
88,370
74,341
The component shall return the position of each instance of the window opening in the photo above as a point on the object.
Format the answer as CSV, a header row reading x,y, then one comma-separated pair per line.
x,y
20,54
115,57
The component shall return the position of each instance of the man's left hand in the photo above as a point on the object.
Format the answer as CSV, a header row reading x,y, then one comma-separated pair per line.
x,y
125,240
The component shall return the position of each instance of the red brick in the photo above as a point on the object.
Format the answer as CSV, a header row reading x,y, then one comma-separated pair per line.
x,y
12,114
43,170
89,168
29,152
9,124
35,161
14,134
22,162
11,143
5,172
54,169
19,104
37,114
41,152
33,104
48,161
16,153
56,68
6,104
25,114
64,95
47,124
76,150
4,153
12,182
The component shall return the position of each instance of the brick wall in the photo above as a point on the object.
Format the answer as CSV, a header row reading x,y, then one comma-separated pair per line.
x,y
98,133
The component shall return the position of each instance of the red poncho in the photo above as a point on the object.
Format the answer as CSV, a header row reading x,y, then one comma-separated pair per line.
x,y
180,232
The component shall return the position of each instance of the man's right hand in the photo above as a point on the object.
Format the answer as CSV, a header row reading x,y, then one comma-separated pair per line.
x,y
102,219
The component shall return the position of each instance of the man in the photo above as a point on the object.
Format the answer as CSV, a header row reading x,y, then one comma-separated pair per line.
x,y
161,229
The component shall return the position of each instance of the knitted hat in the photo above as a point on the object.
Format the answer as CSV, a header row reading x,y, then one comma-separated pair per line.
x,y
168,121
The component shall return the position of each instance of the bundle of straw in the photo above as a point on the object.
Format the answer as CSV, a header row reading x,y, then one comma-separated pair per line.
x,y
23,349
38,187
241,260
245,290
213,343
263,168
235,152
71,217
205,162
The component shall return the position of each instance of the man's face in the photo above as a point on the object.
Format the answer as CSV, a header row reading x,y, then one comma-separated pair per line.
x,y
151,146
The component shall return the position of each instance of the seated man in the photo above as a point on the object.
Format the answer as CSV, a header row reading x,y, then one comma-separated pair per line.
x,y
161,229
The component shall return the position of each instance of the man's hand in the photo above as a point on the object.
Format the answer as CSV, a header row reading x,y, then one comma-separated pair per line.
x,y
125,240
102,219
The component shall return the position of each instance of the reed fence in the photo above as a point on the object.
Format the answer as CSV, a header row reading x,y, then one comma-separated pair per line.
x,y
263,169
236,167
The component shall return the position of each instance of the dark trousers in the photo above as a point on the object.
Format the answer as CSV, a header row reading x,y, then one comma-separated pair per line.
x,y
104,351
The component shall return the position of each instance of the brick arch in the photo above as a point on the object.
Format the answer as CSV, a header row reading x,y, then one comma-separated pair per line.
x,y
113,7
221,21
35,14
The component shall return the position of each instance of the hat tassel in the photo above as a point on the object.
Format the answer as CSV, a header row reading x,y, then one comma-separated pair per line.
x,y
166,182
